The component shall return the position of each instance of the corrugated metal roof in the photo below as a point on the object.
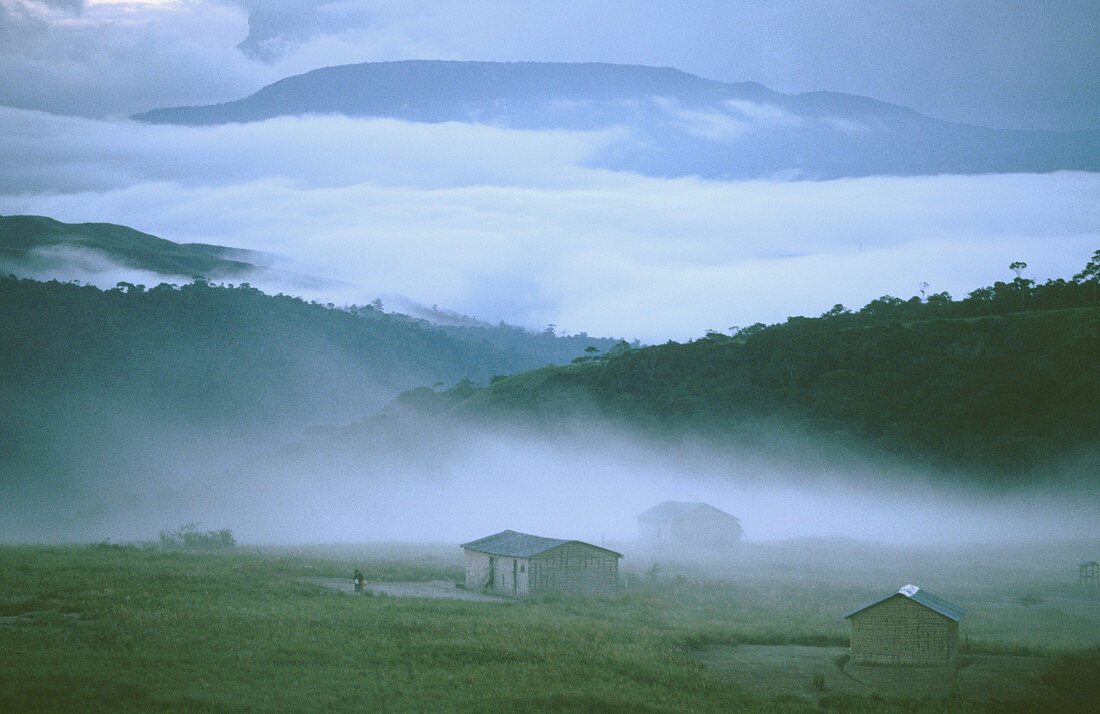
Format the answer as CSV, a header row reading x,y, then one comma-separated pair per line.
x,y
522,545
922,597
671,510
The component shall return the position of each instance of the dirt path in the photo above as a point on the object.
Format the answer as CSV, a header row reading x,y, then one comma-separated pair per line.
x,y
444,589
813,672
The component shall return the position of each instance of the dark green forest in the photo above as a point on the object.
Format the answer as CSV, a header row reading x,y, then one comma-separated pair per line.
x,y
235,357
109,397
22,237
1003,385
102,391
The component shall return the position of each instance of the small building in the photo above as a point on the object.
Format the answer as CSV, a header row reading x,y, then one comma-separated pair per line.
x,y
681,524
911,626
512,563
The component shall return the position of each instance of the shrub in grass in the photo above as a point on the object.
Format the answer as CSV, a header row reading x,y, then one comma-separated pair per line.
x,y
1075,679
189,537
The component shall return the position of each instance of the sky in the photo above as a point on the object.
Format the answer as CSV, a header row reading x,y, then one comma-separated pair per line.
x,y
513,225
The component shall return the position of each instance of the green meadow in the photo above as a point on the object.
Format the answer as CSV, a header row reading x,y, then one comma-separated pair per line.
x,y
121,628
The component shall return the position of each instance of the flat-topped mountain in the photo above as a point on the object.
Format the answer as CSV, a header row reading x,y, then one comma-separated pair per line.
x,y
675,123
491,92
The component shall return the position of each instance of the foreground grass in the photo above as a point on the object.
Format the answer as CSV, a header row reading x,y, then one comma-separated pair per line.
x,y
97,628
92,629
1019,599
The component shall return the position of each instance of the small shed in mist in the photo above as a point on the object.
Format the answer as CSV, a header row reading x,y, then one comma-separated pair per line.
x,y
911,626
682,524
512,563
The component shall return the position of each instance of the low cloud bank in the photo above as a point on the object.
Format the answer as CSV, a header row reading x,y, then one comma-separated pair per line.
x,y
588,483
509,224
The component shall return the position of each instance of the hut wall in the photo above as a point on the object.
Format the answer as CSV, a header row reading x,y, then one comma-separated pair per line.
x,y
509,575
900,631
477,570
574,568
522,576
707,529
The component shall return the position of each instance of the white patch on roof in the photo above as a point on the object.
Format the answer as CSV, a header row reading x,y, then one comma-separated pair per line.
x,y
909,590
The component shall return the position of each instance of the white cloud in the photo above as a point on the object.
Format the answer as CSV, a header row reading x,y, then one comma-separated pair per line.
x,y
120,58
44,152
711,125
508,224
765,114
586,482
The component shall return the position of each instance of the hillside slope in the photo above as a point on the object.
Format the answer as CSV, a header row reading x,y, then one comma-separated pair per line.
x,y
979,386
113,400
34,242
45,249
215,355
126,407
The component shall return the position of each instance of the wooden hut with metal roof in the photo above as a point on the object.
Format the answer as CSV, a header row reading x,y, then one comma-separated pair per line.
x,y
688,525
512,563
910,626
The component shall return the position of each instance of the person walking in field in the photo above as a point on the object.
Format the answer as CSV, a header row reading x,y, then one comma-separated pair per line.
x,y
360,581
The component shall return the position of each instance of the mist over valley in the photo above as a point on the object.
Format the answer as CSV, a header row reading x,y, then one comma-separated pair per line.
x,y
208,392
348,421
482,356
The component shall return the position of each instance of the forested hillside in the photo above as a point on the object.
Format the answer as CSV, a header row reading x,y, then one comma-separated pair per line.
x,y
233,356
111,401
123,399
36,246
25,242
1004,384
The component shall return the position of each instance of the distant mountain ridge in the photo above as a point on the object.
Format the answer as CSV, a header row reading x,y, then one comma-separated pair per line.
x,y
437,91
679,124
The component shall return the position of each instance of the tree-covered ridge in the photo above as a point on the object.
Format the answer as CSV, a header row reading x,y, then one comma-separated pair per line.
x,y
235,356
22,236
1004,383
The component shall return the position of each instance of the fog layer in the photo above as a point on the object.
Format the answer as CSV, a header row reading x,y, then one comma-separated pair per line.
x,y
509,224
440,484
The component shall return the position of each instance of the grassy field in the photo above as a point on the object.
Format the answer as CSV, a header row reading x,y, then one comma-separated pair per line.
x,y
134,628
